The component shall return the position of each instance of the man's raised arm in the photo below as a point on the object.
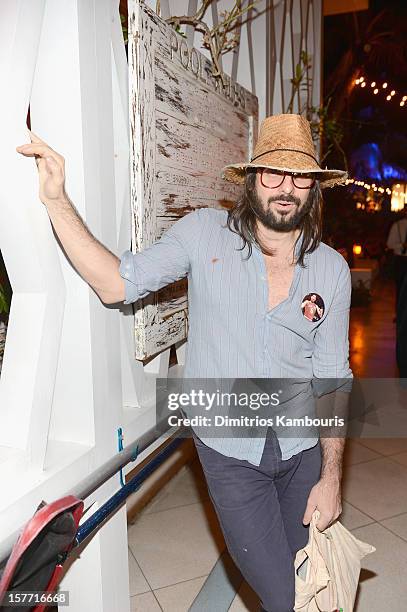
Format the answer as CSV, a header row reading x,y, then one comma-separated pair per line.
x,y
114,280
94,262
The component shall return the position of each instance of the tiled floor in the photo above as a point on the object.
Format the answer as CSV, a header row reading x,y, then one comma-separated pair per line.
x,y
175,541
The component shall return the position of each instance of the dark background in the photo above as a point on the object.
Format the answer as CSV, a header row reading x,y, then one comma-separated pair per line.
x,y
371,43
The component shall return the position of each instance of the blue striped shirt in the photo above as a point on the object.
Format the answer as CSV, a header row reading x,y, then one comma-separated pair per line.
x,y
232,333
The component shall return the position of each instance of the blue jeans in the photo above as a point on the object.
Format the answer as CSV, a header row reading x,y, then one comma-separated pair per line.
x,y
260,510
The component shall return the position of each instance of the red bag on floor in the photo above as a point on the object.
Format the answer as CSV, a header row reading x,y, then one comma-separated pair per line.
x,y
36,561
332,566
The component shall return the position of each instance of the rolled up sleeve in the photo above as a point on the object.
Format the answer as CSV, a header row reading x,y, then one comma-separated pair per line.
x,y
162,263
330,359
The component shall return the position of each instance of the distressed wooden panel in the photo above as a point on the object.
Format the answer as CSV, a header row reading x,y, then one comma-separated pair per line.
x,y
185,126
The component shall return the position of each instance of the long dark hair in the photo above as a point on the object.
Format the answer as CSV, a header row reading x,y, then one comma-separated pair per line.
x,y
242,220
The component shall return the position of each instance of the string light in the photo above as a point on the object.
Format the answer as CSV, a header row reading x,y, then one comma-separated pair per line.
x,y
377,88
397,190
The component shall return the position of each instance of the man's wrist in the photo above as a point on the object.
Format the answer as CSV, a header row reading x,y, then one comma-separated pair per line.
x,y
59,202
331,475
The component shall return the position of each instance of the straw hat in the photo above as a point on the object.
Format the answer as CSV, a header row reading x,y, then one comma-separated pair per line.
x,y
285,143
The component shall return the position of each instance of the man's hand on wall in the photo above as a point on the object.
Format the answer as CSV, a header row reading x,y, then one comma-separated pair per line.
x,y
51,169
98,266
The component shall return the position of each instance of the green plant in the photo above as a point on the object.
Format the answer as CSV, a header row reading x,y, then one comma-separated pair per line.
x,y
301,81
323,124
219,39
326,126
4,307
125,30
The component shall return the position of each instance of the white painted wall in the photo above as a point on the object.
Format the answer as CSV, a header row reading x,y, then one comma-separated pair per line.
x,y
60,389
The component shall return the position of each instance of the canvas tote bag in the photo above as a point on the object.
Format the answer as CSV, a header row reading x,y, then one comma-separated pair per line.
x,y
327,569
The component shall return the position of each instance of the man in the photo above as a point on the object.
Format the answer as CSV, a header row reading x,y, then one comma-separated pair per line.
x,y
246,321
401,336
397,242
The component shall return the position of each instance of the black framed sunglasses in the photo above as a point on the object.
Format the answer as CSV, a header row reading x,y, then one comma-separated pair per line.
x,y
272,179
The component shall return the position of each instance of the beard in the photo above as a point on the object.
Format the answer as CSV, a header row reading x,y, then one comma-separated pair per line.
x,y
280,222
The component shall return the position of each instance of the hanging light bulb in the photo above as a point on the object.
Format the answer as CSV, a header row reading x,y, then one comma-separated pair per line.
x,y
376,87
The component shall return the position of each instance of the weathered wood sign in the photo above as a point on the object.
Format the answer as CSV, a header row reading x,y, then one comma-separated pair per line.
x,y
185,126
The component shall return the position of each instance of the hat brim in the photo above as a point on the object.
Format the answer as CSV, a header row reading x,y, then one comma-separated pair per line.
x,y
327,178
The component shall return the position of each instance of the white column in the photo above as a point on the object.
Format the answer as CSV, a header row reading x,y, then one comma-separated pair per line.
x,y
28,247
70,366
